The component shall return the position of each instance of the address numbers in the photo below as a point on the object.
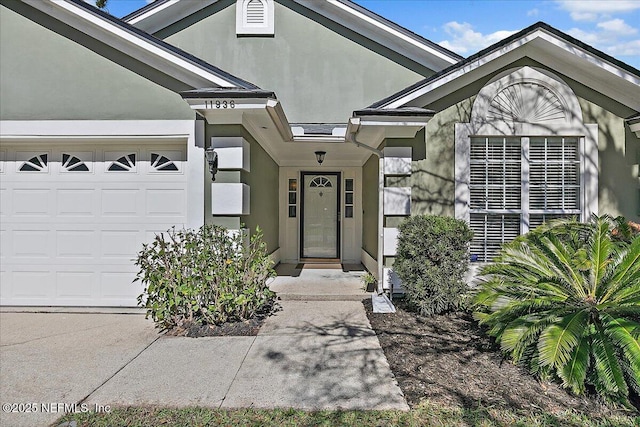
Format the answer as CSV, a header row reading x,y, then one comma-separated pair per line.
x,y
220,104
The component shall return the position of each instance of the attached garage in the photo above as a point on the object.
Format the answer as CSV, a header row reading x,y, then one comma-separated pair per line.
x,y
74,215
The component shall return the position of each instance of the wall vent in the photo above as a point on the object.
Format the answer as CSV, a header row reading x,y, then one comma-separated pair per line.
x,y
254,17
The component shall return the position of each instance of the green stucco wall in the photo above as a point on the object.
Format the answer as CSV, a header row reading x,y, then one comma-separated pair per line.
x,y
370,206
47,76
263,183
317,74
432,167
617,161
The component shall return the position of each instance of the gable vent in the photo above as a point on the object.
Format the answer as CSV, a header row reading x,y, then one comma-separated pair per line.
x,y
255,13
254,17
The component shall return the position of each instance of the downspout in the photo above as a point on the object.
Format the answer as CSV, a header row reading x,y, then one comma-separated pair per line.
x,y
351,137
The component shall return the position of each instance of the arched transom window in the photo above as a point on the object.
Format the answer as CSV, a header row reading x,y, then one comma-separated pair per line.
x,y
320,181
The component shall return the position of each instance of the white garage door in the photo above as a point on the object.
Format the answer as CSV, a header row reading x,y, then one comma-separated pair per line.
x,y
73,218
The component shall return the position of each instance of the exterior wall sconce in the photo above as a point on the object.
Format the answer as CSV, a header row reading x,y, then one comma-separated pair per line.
x,y
320,156
212,159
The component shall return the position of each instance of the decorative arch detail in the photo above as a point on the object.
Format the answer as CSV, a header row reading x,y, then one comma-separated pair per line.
x,y
526,102
526,95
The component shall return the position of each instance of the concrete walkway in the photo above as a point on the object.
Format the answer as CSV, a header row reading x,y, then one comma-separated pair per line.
x,y
312,354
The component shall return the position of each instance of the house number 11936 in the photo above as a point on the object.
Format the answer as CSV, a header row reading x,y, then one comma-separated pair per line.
x,y
210,105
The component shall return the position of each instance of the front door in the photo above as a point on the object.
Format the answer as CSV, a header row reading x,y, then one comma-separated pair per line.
x,y
320,225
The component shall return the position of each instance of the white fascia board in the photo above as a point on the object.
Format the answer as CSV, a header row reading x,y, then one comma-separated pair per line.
x,y
205,105
208,107
393,122
395,33
352,126
279,118
125,41
607,66
155,10
95,128
357,123
168,13
502,52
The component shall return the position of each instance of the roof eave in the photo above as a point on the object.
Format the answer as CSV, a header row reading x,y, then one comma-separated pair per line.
x,y
163,13
541,32
136,43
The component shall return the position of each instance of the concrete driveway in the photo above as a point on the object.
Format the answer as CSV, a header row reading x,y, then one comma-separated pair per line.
x,y
312,354
48,360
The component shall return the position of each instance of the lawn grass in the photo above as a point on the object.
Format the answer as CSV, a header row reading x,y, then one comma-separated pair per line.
x,y
426,414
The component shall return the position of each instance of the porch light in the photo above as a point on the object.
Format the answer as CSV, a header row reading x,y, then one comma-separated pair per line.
x,y
212,159
320,156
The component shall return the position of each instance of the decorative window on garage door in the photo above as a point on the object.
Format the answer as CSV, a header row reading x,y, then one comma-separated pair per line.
x,y
77,162
121,162
33,162
162,163
165,161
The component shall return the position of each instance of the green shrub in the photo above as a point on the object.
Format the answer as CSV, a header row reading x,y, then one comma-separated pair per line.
x,y
208,276
432,260
564,301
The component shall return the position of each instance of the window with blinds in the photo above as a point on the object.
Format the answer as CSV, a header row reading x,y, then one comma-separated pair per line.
x,y
501,171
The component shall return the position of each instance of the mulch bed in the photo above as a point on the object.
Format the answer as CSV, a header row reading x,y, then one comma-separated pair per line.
x,y
240,329
448,360
196,330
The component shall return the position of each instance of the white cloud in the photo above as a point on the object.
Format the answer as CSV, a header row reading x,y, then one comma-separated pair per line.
x,y
465,40
617,26
533,12
584,36
614,37
592,10
631,48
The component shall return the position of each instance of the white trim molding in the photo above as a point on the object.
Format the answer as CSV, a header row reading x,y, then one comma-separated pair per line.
x,y
95,128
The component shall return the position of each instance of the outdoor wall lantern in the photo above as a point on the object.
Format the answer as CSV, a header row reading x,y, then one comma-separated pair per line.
x,y
212,159
320,156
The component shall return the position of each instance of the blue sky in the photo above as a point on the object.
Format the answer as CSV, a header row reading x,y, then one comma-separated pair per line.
x,y
467,26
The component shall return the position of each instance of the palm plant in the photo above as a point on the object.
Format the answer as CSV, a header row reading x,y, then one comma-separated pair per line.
x,y
564,300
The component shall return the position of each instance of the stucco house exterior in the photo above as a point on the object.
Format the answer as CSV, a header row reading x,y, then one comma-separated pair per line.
x,y
104,125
